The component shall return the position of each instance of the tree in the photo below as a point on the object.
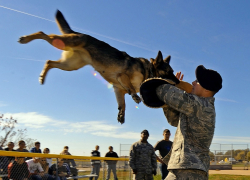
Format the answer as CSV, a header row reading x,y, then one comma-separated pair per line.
x,y
241,155
248,156
211,154
9,133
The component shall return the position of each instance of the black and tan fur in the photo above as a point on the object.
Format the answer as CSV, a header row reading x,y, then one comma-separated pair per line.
x,y
117,67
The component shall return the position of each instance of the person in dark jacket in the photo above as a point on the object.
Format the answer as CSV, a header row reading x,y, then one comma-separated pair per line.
x,y
96,164
61,168
111,163
18,169
36,149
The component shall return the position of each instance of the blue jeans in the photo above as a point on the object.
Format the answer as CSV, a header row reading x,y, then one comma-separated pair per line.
x,y
95,170
111,167
164,171
36,177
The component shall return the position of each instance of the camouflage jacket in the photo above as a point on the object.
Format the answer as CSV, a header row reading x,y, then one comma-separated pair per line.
x,y
194,118
142,157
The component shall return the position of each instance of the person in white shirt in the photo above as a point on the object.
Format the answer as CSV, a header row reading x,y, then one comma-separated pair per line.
x,y
35,168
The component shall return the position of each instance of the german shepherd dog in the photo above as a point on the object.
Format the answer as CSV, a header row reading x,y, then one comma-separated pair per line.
x,y
126,73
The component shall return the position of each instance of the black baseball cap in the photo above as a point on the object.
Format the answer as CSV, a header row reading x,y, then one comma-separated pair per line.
x,y
145,132
208,78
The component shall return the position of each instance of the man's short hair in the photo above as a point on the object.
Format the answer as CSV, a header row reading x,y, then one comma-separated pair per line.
x,y
19,157
66,147
145,132
110,147
37,142
166,131
20,142
61,159
10,143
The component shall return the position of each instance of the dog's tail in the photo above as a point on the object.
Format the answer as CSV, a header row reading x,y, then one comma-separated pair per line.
x,y
62,23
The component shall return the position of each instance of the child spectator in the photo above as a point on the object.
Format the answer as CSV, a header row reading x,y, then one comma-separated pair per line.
x,y
18,169
70,162
36,149
45,167
10,148
63,171
35,168
22,146
49,160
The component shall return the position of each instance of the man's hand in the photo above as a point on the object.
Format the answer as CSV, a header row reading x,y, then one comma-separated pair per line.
x,y
154,172
134,171
179,75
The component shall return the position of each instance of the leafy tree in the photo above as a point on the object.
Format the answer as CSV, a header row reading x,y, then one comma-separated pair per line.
x,y
9,133
211,154
248,156
241,155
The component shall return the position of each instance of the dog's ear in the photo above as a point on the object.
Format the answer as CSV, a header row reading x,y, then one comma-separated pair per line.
x,y
152,60
158,60
167,59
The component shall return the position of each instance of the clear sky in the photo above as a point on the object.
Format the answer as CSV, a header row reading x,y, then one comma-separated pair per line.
x,y
77,109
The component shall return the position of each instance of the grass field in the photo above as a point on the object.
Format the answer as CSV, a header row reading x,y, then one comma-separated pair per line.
x,y
124,175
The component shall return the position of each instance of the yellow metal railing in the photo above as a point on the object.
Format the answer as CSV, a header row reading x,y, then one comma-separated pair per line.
x,y
28,154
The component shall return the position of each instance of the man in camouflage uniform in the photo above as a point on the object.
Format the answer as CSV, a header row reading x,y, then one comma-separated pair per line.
x,y
194,116
142,158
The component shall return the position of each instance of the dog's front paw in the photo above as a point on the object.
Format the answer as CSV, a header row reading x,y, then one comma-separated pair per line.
x,y
136,98
23,40
121,117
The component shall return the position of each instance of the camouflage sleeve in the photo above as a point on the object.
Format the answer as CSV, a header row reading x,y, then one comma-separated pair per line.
x,y
172,115
176,98
153,159
132,157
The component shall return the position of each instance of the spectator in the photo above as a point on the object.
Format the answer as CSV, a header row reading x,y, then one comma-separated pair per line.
x,y
49,160
3,164
22,146
10,148
35,168
142,158
36,149
111,163
45,167
18,169
62,169
70,162
164,146
96,164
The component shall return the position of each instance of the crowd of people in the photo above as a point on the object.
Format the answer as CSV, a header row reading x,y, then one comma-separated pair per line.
x,y
35,168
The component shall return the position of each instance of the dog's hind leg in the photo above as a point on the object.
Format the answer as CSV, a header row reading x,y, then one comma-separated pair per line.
x,y
63,42
120,93
124,80
70,61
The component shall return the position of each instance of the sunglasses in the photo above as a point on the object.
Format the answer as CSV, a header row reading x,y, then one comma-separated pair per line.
x,y
196,81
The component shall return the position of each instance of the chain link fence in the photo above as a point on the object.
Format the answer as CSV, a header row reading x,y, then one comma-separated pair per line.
x,y
36,166
230,154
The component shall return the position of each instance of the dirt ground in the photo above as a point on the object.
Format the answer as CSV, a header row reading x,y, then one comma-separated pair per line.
x,y
232,172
